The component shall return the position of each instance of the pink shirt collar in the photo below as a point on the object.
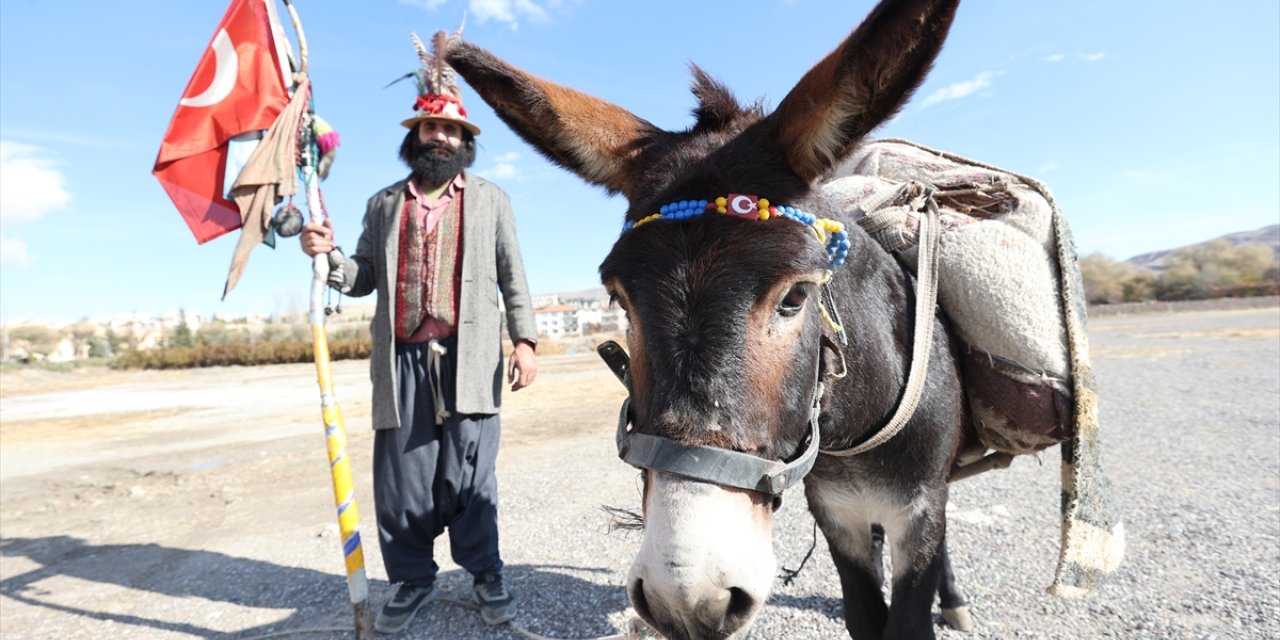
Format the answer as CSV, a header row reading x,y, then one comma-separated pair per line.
x,y
429,213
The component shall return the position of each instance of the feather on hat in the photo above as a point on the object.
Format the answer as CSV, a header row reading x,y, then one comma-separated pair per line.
x,y
439,97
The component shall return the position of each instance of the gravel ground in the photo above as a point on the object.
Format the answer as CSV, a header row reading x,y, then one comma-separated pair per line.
x,y
239,544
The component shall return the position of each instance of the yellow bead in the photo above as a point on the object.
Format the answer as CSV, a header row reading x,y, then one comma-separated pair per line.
x,y
722,208
763,215
721,203
763,203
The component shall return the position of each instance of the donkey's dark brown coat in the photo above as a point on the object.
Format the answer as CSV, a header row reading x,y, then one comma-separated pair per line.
x,y
726,332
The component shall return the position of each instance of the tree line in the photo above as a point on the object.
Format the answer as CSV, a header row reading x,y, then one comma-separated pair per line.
x,y
1215,269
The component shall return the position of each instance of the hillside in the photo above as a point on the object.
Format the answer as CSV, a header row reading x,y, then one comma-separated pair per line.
x,y
1269,236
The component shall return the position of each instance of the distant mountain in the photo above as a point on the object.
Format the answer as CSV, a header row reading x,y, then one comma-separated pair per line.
x,y
1269,236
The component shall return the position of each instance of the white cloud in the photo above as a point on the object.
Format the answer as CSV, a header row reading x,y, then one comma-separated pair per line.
x,y
31,185
429,5
504,167
959,89
13,251
508,12
1075,57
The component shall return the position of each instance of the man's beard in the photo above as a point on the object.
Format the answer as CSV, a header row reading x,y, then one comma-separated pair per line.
x,y
432,168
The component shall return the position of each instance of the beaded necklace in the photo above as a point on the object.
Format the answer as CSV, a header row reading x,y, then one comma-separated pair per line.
x,y
830,232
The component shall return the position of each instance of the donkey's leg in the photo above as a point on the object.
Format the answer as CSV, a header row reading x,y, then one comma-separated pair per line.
x,y
917,568
859,562
955,609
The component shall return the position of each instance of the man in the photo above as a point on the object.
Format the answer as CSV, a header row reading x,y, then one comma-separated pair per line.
x,y
437,247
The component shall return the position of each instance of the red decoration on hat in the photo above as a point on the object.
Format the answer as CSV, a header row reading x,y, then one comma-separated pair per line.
x,y
436,103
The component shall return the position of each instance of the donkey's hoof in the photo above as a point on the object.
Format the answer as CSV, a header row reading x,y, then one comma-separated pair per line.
x,y
958,618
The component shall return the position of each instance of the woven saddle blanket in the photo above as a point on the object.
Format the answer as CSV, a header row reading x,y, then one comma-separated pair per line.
x,y
999,281
1009,281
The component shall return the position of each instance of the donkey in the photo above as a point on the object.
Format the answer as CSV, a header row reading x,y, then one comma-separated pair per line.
x,y
729,271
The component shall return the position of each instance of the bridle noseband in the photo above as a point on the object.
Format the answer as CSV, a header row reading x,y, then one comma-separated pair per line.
x,y
707,464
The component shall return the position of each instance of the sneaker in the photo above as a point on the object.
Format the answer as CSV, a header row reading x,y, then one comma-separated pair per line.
x,y
496,603
398,612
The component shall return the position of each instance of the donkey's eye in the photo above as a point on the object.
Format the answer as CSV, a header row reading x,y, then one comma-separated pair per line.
x,y
615,301
793,302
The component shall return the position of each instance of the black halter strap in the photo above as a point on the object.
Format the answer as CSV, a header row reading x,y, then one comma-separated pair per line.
x,y
706,464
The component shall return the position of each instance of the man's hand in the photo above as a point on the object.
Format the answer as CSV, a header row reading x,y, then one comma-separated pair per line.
x,y
317,237
523,367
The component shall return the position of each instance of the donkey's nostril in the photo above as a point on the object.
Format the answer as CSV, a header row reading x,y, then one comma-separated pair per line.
x,y
639,602
742,606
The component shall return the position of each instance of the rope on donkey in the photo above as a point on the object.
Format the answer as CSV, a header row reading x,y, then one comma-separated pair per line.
x,y
789,575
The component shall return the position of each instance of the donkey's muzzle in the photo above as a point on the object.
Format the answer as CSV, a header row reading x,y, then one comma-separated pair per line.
x,y
718,615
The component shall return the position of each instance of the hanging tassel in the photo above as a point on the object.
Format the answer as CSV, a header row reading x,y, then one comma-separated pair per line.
x,y
327,141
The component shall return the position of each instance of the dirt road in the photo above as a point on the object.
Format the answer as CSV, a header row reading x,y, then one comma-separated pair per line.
x,y
196,504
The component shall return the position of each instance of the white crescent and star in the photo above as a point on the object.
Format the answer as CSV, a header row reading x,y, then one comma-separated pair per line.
x,y
226,68
742,205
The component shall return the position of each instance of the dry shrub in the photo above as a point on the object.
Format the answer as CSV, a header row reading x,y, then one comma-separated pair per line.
x,y
231,354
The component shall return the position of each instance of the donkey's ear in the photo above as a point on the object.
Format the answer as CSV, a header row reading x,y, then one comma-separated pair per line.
x,y
591,137
860,84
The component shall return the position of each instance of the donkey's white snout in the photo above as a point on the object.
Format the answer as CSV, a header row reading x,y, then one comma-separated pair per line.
x,y
706,563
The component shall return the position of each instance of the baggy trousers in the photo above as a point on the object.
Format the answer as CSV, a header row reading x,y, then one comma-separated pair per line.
x,y
427,477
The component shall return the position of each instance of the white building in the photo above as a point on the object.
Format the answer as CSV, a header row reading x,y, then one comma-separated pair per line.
x,y
557,320
602,319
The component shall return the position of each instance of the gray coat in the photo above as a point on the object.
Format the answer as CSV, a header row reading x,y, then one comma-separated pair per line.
x,y
490,263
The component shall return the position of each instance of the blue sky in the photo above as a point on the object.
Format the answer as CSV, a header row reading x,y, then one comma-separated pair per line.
x,y
1156,124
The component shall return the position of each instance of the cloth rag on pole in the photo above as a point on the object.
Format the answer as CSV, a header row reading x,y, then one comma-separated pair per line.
x,y
268,176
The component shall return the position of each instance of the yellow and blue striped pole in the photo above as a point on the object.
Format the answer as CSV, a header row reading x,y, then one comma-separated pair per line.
x,y
344,495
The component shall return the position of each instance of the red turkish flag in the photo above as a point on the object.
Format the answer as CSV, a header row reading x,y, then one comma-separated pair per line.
x,y
237,88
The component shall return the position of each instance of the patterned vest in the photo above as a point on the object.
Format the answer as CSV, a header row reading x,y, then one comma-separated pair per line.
x,y
428,274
